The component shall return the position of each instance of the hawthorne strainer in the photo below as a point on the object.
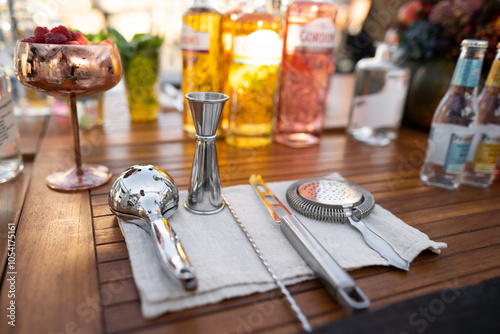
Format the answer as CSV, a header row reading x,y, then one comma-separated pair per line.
x,y
340,202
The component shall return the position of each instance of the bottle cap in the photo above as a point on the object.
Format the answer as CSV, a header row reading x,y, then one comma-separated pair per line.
x,y
474,43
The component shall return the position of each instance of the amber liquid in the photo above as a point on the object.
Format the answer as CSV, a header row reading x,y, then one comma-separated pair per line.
x,y
201,71
228,26
252,87
305,76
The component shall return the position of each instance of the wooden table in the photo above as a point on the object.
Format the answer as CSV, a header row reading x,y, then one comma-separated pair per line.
x,y
73,275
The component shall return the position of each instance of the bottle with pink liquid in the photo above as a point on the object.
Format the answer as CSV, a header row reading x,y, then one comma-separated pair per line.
x,y
307,64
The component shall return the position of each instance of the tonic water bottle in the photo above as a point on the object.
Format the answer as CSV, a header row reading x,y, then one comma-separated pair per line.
x,y
485,149
454,120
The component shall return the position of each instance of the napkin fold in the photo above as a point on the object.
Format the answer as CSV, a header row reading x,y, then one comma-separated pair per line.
x,y
226,264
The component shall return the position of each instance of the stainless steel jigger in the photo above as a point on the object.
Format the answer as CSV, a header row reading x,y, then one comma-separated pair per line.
x,y
205,195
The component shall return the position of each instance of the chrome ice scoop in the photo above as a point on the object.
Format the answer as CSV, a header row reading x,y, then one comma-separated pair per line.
x,y
146,195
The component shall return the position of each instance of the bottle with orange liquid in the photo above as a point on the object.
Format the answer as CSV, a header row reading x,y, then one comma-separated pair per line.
x,y
307,64
233,11
253,77
201,42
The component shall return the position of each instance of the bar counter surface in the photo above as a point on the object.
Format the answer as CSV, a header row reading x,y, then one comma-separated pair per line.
x,y
71,272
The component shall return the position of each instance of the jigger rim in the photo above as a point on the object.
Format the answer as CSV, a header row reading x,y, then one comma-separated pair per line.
x,y
207,97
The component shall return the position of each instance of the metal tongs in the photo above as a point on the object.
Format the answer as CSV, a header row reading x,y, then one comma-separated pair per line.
x,y
337,281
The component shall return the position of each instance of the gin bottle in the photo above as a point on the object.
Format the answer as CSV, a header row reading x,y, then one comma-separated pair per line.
x,y
308,62
485,149
454,120
379,97
201,54
11,162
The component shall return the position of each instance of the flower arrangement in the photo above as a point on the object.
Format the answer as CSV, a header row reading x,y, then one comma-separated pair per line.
x,y
433,28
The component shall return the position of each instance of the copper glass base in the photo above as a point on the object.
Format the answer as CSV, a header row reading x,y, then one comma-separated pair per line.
x,y
85,177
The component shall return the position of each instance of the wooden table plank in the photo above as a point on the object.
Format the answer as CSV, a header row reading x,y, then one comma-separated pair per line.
x,y
104,222
114,271
12,193
12,196
111,252
55,267
108,235
461,225
31,130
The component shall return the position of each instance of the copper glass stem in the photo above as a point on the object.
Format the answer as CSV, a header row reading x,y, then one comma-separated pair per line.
x,y
76,134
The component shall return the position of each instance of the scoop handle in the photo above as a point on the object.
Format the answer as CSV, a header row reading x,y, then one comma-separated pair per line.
x,y
338,282
172,253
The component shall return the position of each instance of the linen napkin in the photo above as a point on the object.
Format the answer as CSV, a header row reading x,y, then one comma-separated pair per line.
x,y
226,264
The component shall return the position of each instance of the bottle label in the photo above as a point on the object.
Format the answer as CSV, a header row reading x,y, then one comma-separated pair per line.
x,y
467,72
494,76
448,146
485,148
383,109
261,47
194,40
316,36
457,153
8,126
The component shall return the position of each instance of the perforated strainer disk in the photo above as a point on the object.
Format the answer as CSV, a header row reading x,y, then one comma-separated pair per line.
x,y
327,200
330,192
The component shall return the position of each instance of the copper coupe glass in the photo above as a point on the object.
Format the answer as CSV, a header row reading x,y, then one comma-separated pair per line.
x,y
71,72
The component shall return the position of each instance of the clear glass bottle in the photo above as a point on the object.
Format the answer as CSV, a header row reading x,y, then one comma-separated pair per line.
x,y
485,148
18,22
11,161
253,77
454,120
201,43
307,64
379,97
